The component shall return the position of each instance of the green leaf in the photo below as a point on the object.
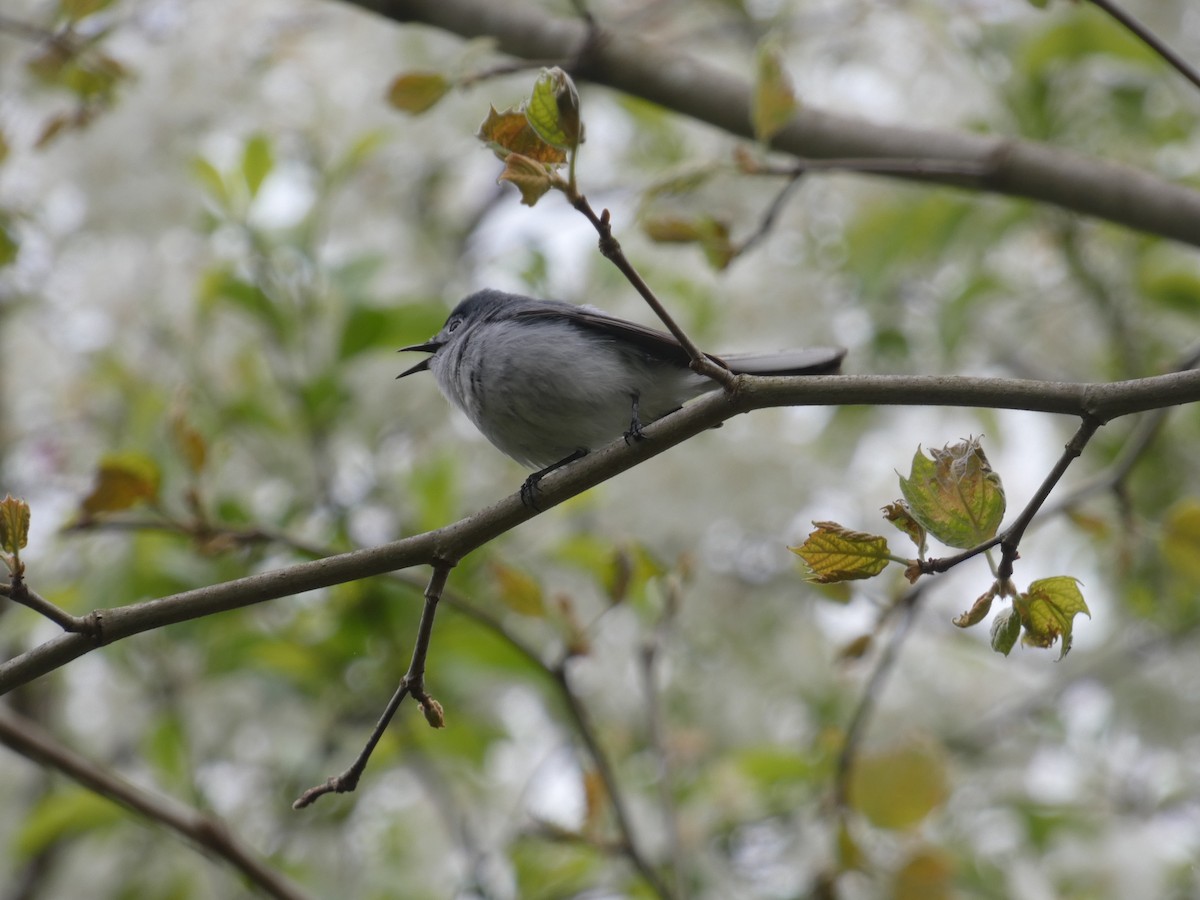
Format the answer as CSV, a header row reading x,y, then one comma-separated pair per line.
x,y
14,525
61,815
1177,289
835,553
1180,539
80,9
9,247
1006,628
774,102
225,285
896,789
416,92
1048,609
257,162
122,480
954,494
553,110
212,181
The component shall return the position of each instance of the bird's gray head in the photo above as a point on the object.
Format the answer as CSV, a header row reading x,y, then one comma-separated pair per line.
x,y
482,306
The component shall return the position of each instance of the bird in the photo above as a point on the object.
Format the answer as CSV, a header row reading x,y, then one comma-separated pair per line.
x,y
547,382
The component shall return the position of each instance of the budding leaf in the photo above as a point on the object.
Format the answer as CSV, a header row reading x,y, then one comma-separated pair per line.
x,y
978,611
529,177
1006,628
834,553
121,481
774,101
901,516
416,92
14,525
510,132
954,494
1048,610
553,110
434,714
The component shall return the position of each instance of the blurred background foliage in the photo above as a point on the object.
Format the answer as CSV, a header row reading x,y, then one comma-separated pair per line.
x,y
215,232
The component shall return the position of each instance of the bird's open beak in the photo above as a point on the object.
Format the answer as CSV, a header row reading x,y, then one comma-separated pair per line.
x,y
429,346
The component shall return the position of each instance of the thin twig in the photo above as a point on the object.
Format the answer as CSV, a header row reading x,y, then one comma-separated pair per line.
x,y
413,683
610,248
18,592
1150,39
1013,534
27,738
769,218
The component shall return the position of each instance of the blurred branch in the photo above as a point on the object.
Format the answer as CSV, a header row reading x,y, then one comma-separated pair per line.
x,y
1150,39
651,649
451,543
27,738
906,605
689,86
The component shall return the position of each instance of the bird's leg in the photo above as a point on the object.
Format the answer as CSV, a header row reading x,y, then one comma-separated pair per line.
x,y
635,424
530,487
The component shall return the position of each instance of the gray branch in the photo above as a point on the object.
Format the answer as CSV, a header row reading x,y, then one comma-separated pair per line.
x,y
449,544
693,88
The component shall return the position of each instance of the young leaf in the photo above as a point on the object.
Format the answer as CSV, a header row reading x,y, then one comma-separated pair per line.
x,y
257,161
510,132
978,610
529,177
774,101
553,110
1048,610
835,553
14,525
416,92
121,481
954,494
901,516
1006,628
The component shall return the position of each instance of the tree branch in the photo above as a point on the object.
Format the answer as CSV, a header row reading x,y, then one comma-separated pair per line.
x,y
693,88
450,543
27,738
1150,39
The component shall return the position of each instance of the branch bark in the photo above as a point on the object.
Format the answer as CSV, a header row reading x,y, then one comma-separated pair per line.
x,y
450,544
686,85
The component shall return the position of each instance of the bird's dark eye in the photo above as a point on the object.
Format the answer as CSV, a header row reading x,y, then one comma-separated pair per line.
x,y
453,324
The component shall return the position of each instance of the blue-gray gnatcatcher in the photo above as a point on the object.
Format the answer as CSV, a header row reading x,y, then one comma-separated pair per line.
x,y
546,381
